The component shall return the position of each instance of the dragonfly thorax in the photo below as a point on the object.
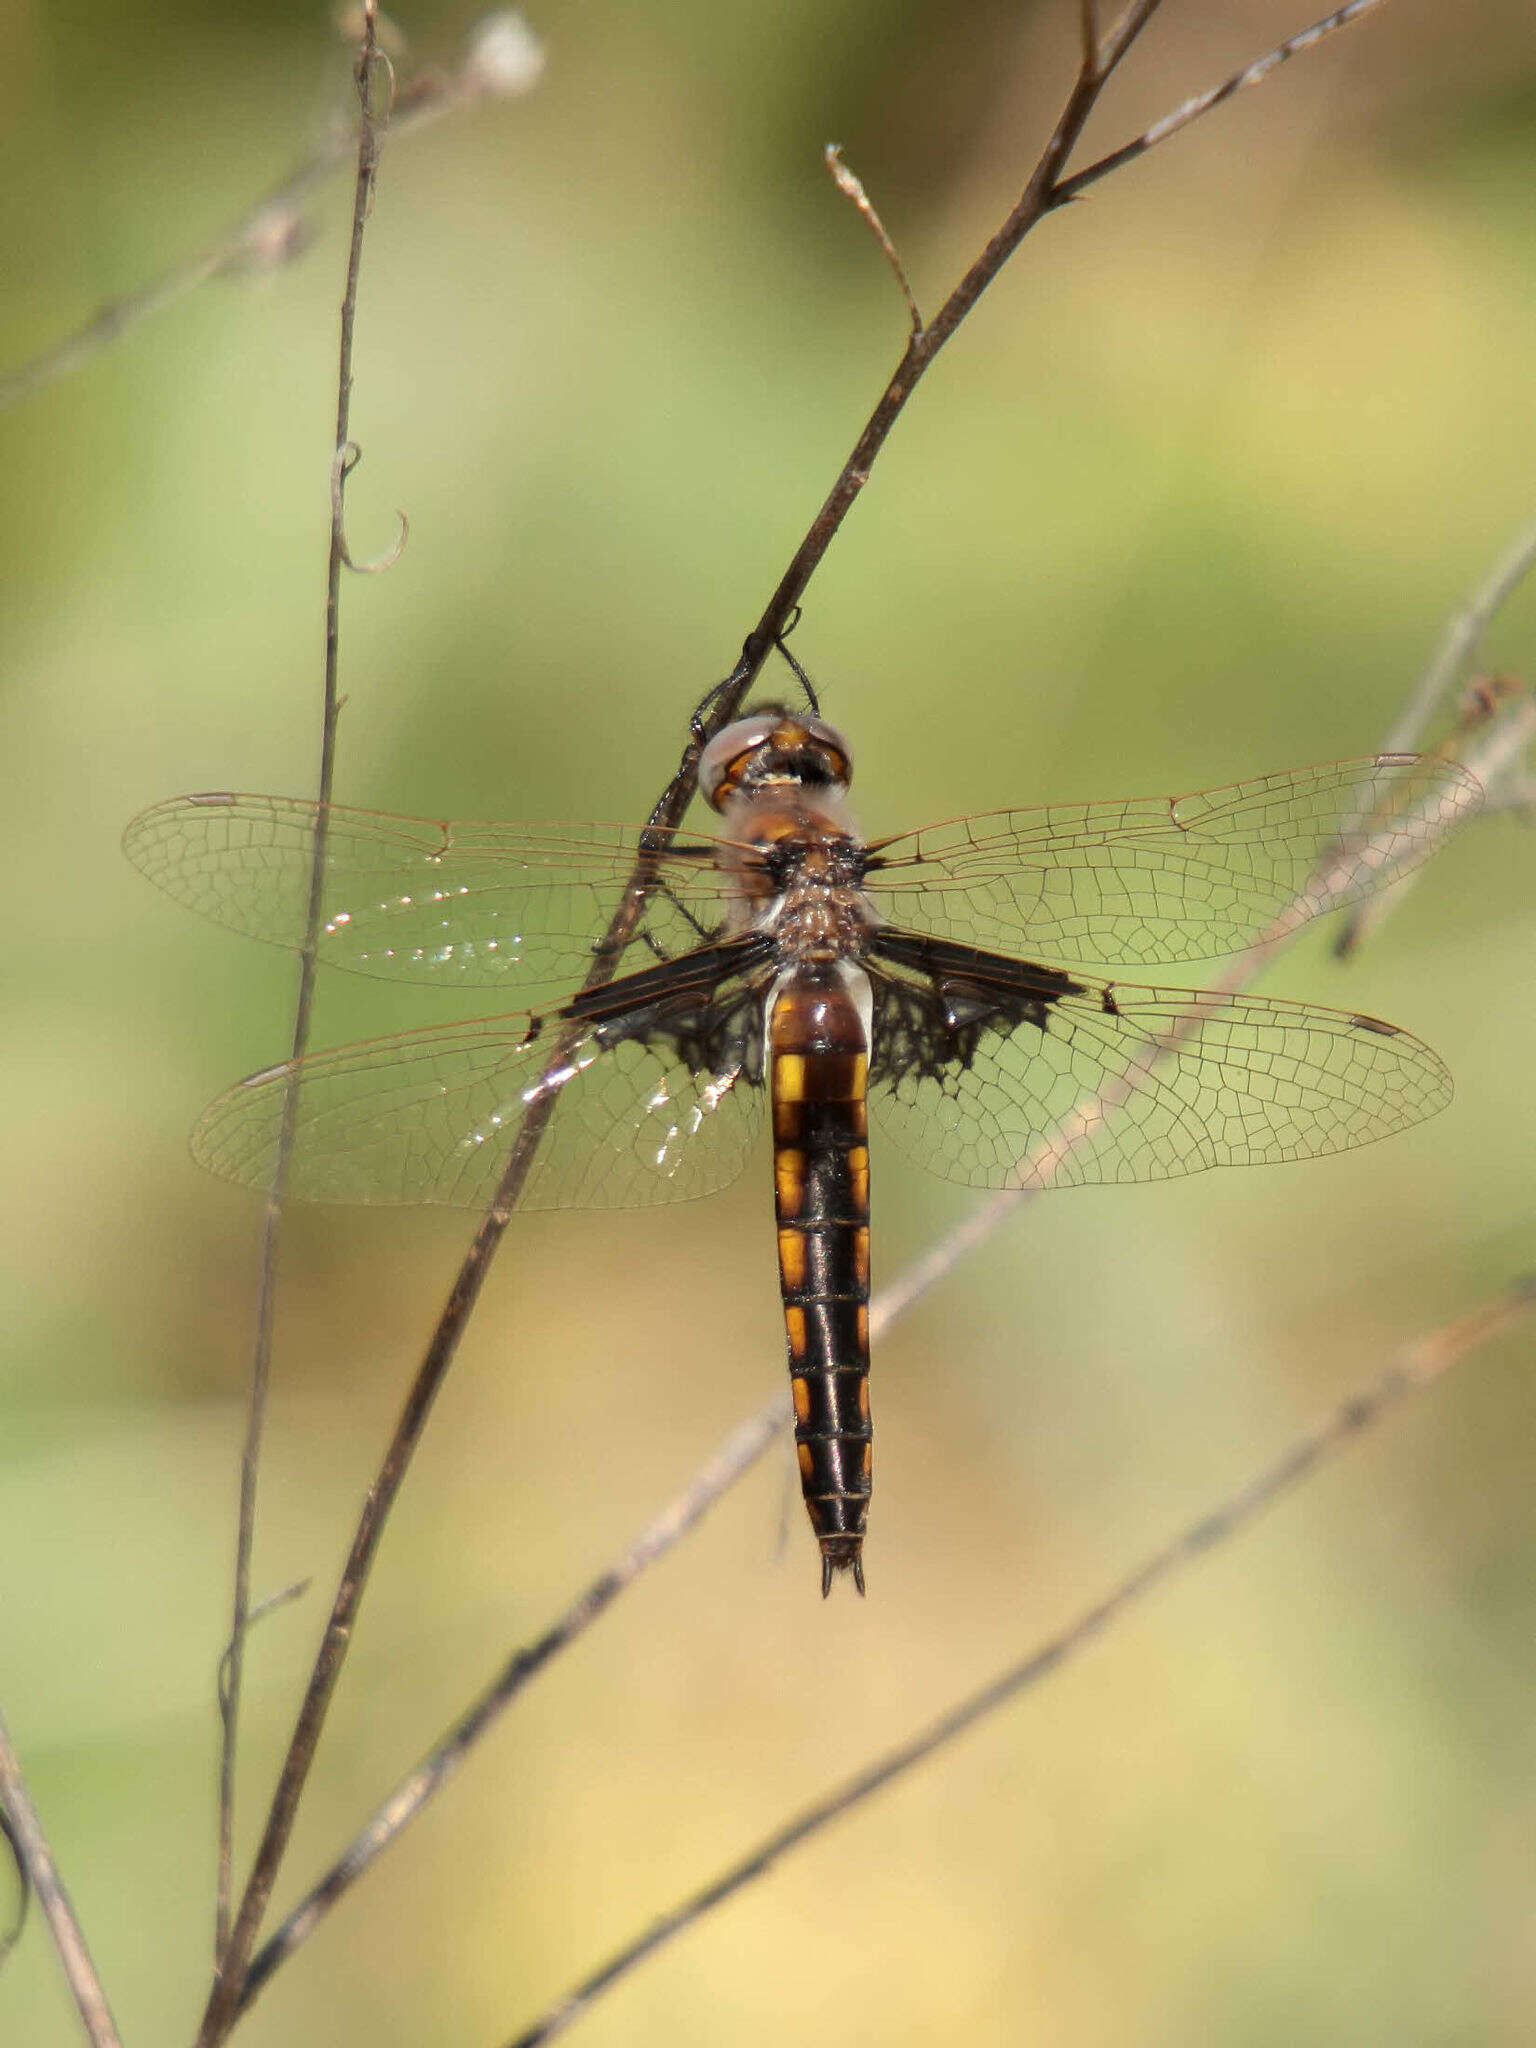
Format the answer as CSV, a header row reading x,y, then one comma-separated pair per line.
x,y
817,917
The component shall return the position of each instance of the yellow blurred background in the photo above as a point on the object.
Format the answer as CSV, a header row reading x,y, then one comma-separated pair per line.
x,y
1189,499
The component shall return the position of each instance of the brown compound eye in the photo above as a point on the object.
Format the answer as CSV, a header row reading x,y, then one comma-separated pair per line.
x,y
728,754
833,748
724,760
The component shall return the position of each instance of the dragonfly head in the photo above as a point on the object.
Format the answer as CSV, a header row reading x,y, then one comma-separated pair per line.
x,y
772,748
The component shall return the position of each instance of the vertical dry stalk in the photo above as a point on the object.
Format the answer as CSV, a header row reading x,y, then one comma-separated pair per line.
x,y
343,459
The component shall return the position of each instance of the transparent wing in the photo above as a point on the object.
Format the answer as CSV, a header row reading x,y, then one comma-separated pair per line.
x,y
415,900
653,1105
1184,878
975,1076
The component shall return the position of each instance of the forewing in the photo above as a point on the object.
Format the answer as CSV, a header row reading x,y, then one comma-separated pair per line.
x,y
1087,1081
411,899
1157,879
649,1106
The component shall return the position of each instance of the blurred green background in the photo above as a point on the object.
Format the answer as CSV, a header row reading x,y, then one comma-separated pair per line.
x,y
1189,499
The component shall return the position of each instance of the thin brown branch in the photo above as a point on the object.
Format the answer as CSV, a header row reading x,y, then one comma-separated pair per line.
x,y
1203,102
737,1454
412,1421
232,1663
26,1832
852,187
1420,1366
1112,47
503,61
1047,189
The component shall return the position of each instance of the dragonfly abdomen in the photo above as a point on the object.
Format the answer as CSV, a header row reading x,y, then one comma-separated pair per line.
x,y
818,1028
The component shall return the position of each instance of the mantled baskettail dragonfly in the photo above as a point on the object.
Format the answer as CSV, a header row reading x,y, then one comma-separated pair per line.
x,y
787,959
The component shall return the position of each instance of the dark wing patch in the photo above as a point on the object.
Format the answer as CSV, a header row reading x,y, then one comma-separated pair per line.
x,y
981,1072
412,899
656,1100
1158,879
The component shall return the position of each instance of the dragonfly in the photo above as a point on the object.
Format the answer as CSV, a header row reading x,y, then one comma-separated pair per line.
x,y
785,962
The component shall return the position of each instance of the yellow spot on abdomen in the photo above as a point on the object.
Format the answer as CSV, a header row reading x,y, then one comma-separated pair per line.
x,y
789,1179
794,1330
805,1460
789,1070
792,1258
801,1389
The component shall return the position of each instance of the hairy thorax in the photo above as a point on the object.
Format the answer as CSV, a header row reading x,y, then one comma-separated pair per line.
x,y
797,865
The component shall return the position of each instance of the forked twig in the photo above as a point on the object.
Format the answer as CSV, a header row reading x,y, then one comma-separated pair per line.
x,y
232,1663
1419,1367
1049,187
1039,197
503,61
1214,96
26,1831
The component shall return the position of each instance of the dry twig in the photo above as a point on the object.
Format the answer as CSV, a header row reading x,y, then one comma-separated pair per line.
x,y
852,187
369,64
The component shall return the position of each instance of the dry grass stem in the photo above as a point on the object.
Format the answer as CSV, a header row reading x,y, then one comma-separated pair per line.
x,y
233,1939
